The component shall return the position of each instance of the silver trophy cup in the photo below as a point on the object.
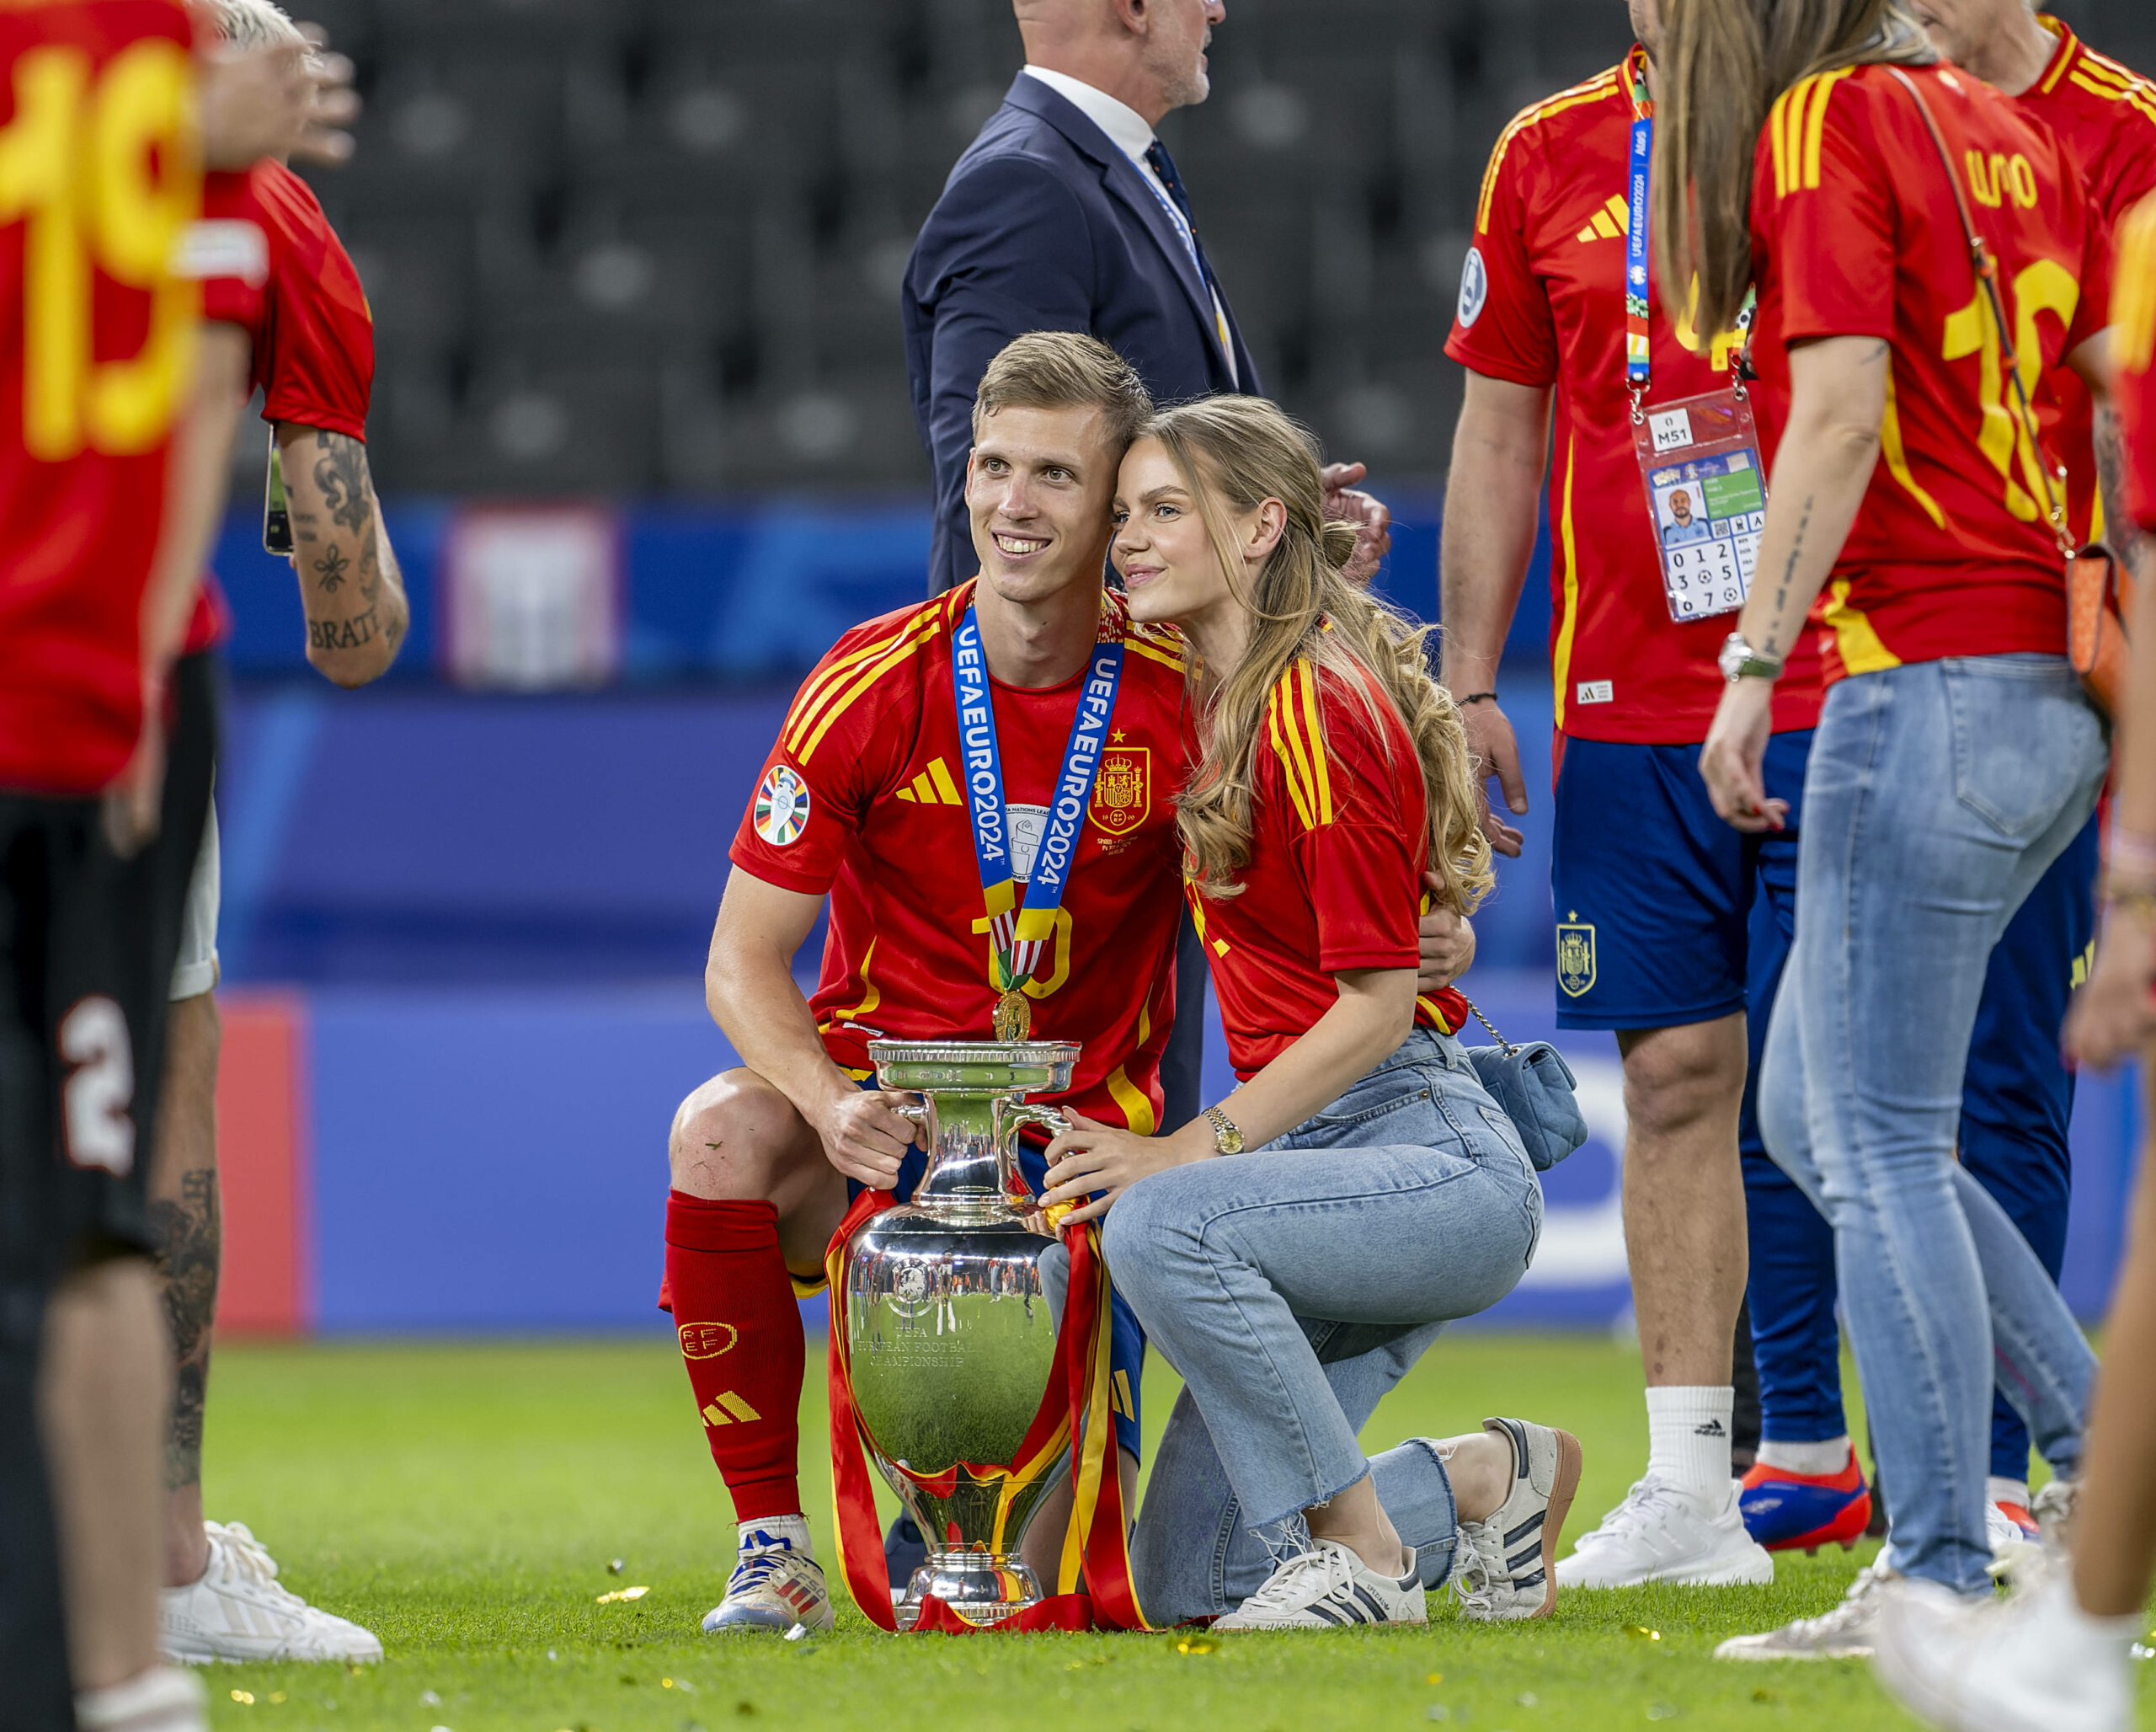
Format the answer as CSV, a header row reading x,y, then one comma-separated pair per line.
x,y
949,1336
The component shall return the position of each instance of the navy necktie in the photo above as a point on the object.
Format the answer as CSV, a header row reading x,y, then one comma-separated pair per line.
x,y
1164,165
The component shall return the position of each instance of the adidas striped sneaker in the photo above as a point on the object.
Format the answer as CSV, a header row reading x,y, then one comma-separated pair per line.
x,y
1328,1586
1508,1573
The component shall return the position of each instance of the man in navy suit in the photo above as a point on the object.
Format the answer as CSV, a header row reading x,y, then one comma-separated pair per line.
x,y
1066,214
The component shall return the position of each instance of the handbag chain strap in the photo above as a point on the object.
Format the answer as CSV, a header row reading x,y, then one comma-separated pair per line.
x,y
1986,270
1510,1050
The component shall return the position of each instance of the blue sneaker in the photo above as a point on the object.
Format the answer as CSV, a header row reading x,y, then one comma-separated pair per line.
x,y
1800,1512
773,1587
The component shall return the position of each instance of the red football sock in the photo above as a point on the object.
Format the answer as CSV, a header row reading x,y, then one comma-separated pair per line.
x,y
740,1334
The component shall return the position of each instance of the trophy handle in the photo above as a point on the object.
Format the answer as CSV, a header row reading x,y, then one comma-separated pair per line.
x,y
917,1111
1020,1114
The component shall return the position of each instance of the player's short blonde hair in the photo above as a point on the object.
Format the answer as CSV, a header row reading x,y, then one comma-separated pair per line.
x,y
1065,370
253,24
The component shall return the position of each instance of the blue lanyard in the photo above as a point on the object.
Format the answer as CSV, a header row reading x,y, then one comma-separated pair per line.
x,y
1018,943
1637,369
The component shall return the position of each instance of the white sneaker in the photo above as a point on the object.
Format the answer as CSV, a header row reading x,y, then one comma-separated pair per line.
x,y
1327,1586
1509,1570
2032,1663
1663,1533
1847,1633
239,1611
163,1699
773,1587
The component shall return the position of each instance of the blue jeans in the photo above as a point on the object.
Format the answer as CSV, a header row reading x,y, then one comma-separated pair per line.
x,y
1292,1286
1938,793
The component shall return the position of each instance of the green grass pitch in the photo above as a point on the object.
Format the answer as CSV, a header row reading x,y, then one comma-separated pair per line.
x,y
466,1503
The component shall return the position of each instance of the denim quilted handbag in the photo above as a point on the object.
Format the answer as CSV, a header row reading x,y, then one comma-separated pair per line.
x,y
1535,1085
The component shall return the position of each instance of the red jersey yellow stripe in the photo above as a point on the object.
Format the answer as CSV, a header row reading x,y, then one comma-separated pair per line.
x,y
1598,89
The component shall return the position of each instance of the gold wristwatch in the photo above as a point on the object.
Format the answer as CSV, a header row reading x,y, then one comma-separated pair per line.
x,y
1227,1135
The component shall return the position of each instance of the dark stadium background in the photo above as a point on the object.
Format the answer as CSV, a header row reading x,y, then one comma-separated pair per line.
x,y
636,263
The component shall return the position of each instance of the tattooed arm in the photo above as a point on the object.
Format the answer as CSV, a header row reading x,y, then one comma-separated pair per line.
x,y
349,584
2122,531
1838,398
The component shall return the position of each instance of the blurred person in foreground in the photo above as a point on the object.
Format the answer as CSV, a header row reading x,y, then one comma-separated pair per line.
x,y
1956,754
1297,1249
285,313
2018,1096
120,477
2055,1657
1673,928
96,462
1066,214
861,809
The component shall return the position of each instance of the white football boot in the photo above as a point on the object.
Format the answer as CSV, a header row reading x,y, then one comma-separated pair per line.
x,y
239,1611
1664,1533
2032,1663
774,1587
1327,1587
1508,1571
1848,1632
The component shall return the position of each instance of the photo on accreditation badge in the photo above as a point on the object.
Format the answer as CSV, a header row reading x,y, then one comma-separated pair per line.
x,y
832,824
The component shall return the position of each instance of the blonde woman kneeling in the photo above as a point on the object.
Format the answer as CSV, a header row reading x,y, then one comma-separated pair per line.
x,y
1293,1251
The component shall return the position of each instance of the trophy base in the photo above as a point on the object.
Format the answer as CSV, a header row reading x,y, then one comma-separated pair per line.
x,y
980,1587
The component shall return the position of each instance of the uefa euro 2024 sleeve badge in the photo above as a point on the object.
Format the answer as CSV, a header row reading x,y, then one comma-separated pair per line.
x,y
1575,954
781,806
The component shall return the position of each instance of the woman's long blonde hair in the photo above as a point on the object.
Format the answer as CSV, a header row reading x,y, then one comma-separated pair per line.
x,y
1235,453
1723,64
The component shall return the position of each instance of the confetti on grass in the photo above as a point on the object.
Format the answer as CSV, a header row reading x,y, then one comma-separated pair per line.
x,y
623,1594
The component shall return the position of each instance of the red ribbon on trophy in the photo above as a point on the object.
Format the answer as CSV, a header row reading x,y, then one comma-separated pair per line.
x,y
1095,1548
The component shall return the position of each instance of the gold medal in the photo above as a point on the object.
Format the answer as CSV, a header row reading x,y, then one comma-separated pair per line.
x,y
1014,1017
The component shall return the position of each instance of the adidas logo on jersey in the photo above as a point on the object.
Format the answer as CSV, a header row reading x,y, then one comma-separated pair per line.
x,y
1610,222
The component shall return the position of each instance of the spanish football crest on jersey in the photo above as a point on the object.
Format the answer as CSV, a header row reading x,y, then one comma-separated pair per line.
x,y
781,806
1122,791
1575,956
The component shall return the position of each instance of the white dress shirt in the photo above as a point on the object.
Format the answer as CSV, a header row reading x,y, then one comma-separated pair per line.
x,y
1127,132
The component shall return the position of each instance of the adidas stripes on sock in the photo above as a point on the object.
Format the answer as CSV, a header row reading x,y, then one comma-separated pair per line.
x,y
1688,1437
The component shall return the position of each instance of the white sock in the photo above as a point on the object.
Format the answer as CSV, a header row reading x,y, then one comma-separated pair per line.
x,y
2006,1491
1817,1460
1688,1438
768,1534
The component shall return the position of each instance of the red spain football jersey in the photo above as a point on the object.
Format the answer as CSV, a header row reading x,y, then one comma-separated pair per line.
x,y
1338,848
310,331
2133,327
860,799
1542,304
2105,116
96,340
1854,232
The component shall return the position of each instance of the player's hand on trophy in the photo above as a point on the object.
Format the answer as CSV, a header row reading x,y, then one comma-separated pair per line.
x,y
1447,943
1091,1164
866,1136
1346,503
1496,753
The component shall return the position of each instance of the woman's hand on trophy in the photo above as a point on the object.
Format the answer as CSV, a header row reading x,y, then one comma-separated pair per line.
x,y
1091,1164
866,1135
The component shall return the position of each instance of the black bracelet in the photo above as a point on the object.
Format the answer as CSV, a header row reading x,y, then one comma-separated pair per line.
x,y
1478,698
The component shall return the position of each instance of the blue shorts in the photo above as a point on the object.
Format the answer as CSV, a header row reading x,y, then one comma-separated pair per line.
x,y
1126,1350
1655,893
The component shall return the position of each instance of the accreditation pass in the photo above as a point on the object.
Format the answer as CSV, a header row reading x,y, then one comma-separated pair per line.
x,y
1706,499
